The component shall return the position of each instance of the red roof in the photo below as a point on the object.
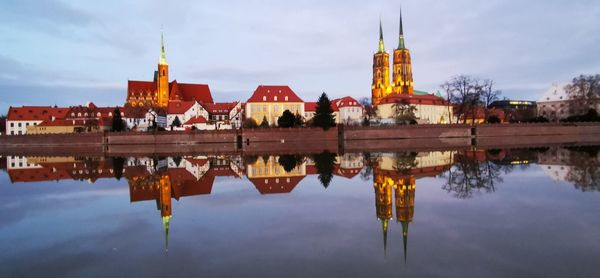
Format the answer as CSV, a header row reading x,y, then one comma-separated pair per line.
x,y
312,107
276,185
428,99
346,102
36,113
221,108
190,92
196,120
266,93
179,107
141,88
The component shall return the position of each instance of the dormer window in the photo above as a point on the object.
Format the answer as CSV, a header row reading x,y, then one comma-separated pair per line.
x,y
275,98
265,98
286,98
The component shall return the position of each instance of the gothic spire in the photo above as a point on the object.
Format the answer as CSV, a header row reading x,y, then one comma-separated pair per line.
x,y
163,56
404,237
381,46
166,220
401,38
384,226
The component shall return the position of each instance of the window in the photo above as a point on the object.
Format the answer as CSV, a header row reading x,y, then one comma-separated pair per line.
x,y
264,98
286,98
12,124
19,124
275,98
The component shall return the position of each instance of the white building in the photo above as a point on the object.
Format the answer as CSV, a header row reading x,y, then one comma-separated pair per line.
x,y
429,108
19,118
186,112
346,110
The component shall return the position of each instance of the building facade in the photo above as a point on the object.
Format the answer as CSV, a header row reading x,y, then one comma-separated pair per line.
x,y
269,102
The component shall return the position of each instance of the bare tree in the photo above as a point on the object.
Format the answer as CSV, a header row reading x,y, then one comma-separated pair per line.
x,y
488,94
584,91
462,91
370,110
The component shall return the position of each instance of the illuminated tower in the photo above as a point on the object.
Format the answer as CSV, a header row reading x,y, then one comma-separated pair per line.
x,y
404,192
165,206
402,79
163,76
381,72
383,203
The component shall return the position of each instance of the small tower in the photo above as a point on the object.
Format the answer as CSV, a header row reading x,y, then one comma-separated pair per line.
x,y
402,79
380,87
163,77
165,206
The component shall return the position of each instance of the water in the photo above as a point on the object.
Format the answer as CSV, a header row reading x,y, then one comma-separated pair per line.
x,y
485,213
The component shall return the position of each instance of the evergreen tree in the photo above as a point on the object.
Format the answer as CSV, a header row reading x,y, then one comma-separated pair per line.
x,y
287,119
324,162
299,120
176,122
118,163
324,117
117,121
264,123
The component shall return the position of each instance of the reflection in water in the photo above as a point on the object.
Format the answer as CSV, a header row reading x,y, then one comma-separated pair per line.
x,y
394,175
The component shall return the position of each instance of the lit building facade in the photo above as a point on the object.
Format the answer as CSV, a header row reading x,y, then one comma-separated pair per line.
x,y
270,101
429,108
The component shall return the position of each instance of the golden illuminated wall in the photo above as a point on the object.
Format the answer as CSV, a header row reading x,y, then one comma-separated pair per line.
x,y
163,85
404,192
272,169
403,80
165,196
272,110
380,87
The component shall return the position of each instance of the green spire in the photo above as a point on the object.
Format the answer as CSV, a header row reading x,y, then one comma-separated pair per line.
x,y
405,237
163,55
166,220
401,39
381,45
384,226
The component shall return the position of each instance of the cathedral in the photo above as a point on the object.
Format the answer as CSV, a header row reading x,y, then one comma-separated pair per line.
x,y
402,80
386,94
159,92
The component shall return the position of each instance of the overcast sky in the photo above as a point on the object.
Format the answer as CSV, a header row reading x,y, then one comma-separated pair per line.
x,y
72,52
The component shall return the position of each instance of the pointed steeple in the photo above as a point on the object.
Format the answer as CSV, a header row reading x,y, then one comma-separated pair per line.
x,y
401,38
384,226
404,237
163,55
381,45
166,220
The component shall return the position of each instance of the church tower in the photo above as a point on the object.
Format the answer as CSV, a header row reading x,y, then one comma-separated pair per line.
x,y
163,76
402,79
404,192
381,72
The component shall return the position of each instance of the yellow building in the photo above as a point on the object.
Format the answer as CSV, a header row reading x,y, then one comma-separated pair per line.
x,y
380,87
402,80
270,101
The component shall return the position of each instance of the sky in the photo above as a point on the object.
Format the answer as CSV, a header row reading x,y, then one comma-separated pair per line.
x,y
71,52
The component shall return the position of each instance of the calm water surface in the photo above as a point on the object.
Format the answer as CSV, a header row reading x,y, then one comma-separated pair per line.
x,y
483,213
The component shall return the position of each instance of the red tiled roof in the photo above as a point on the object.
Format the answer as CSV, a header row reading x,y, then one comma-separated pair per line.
x,y
312,107
190,92
272,186
134,112
196,120
346,102
179,107
266,93
141,88
428,99
36,113
220,108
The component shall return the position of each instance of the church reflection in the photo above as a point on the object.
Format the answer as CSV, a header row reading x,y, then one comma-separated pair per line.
x,y
394,175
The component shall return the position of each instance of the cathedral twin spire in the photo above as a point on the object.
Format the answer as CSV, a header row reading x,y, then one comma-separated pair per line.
x,y
401,44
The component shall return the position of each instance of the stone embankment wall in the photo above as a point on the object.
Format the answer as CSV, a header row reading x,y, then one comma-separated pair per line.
x,y
170,137
52,139
406,132
290,140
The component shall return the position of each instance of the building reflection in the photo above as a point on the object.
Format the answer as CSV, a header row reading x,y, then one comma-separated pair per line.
x,y
394,175
394,182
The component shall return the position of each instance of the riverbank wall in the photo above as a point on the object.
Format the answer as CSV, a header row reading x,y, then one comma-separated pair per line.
x,y
305,140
